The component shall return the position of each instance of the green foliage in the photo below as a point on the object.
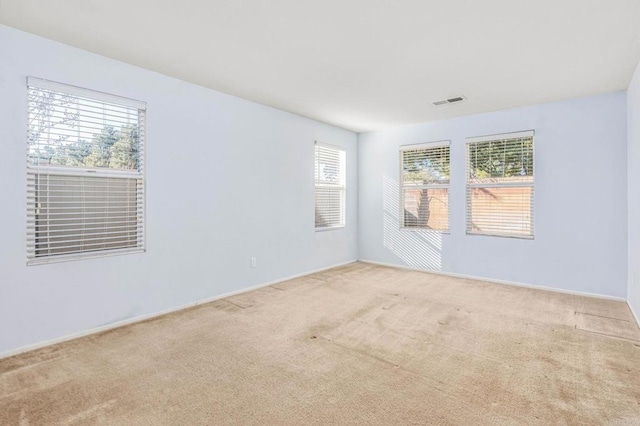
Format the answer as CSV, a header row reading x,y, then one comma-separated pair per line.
x,y
72,154
78,151
123,154
100,148
501,159
424,166
56,134
111,148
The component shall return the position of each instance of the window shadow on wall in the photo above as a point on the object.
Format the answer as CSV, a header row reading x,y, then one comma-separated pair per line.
x,y
417,248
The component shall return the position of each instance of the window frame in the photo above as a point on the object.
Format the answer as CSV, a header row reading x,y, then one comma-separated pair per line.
x,y
36,171
522,184
343,187
401,186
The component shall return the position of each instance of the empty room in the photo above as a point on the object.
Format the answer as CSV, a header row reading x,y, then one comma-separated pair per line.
x,y
338,212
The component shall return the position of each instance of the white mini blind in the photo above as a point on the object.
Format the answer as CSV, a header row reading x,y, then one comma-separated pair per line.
x,y
500,185
330,165
85,173
424,185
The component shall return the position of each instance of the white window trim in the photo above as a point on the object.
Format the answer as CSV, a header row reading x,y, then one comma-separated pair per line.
x,y
80,171
501,136
402,227
81,92
494,137
343,187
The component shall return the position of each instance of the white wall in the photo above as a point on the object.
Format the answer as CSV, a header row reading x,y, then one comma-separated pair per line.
x,y
227,179
580,199
633,182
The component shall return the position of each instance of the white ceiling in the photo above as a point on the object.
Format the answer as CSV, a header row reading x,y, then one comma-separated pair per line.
x,y
360,64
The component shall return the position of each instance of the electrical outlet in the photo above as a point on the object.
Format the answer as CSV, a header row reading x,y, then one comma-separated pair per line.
x,y
253,262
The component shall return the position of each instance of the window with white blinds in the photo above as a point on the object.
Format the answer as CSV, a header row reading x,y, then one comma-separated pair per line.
x,y
330,186
424,186
500,185
85,173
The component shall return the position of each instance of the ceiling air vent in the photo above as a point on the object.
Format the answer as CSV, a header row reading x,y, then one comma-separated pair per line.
x,y
449,101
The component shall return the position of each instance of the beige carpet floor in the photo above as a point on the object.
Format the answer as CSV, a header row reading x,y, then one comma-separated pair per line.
x,y
360,344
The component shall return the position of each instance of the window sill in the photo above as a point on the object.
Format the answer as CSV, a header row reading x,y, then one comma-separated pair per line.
x,y
516,236
72,257
429,230
330,228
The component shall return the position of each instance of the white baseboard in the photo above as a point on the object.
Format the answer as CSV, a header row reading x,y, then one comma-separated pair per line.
x,y
140,318
497,281
634,314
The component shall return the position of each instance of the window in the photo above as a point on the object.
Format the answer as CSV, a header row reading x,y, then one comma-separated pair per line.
x,y
330,186
500,185
424,186
85,180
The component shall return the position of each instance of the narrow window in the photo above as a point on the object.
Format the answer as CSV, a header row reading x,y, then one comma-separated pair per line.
x,y
85,180
330,187
424,186
500,185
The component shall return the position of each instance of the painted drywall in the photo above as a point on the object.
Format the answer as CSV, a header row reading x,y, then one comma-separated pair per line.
x,y
227,179
580,199
633,191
